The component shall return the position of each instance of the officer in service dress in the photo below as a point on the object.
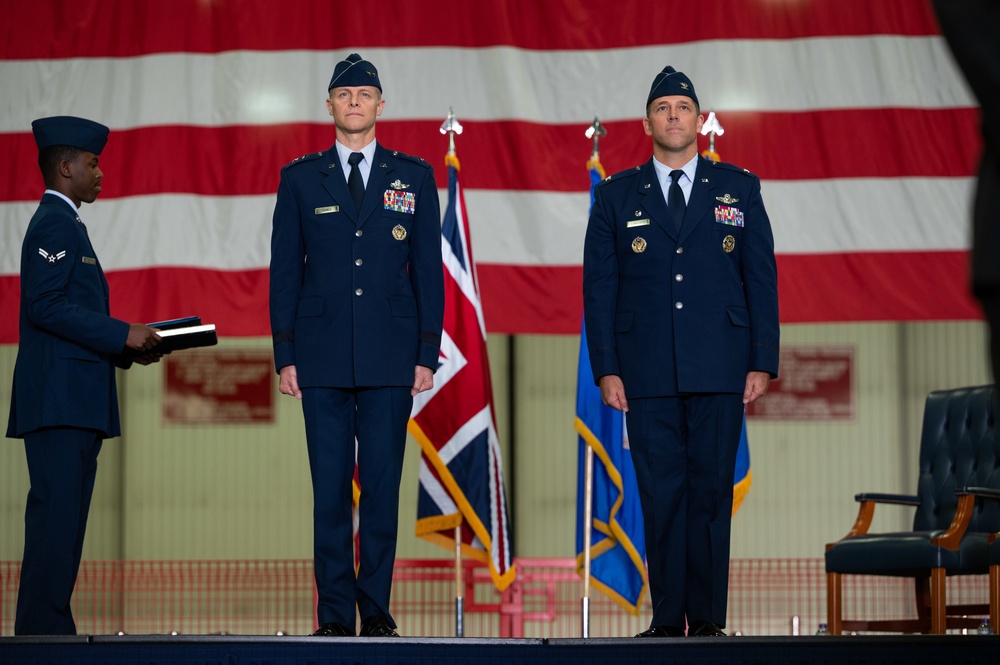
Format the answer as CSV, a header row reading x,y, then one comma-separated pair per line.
x,y
64,401
681,313
357,301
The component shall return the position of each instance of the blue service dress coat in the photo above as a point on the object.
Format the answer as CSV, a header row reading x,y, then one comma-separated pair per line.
x,y
64,375
357,302
356,299
681,313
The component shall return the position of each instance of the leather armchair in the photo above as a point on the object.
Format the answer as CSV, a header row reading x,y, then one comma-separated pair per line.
x,y
959,449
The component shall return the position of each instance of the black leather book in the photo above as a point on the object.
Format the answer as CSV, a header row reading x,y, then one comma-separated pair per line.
x,y
186,337
179,334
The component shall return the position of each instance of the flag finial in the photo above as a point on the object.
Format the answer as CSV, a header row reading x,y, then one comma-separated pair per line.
x,y
712,128
596,131
451,126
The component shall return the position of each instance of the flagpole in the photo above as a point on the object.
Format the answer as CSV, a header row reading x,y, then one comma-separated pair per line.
x,y
451,126
459,600
595,132
588,498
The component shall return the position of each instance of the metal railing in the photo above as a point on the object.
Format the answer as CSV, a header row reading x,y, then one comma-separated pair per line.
x,y
248,597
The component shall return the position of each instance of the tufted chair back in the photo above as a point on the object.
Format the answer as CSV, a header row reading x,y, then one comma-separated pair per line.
x,y
959,447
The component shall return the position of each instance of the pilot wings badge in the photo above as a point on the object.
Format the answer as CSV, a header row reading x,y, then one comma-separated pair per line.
x,y
53,257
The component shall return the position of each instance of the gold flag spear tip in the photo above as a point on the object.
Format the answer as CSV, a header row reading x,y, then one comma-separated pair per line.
x,y
596,131
712,128
451,126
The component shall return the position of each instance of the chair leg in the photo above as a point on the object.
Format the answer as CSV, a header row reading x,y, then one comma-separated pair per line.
x,y
922,598
834,606
995,597
938,599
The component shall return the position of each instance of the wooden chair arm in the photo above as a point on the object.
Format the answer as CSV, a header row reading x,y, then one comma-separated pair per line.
x,y
951,538
895,499
985,493
866,510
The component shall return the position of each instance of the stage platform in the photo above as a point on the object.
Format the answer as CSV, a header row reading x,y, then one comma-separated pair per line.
x,y
252,650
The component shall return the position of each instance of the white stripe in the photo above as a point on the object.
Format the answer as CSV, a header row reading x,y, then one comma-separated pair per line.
x,y
435,490
518,227
465,434
873,214
499,83
463,276
453,363
224,233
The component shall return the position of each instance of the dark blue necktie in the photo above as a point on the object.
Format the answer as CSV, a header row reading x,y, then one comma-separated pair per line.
x,y
675,200
355,183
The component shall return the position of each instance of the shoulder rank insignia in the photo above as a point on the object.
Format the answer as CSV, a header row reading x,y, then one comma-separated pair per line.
x,y
53,257
727,199
401,185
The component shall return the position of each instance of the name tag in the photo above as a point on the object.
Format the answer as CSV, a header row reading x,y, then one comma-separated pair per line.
x,y
637,222
90,261
327,210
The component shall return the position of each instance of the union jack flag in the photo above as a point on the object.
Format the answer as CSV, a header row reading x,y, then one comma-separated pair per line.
x,y
461,475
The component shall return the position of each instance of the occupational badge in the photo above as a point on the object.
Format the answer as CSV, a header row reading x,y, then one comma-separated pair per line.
x,y
53,257
639,245
401,185
727,199
398,232
728,215
399,201
728,244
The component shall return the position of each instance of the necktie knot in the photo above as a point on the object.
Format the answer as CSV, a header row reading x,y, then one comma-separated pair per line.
x,y
674,175
355,183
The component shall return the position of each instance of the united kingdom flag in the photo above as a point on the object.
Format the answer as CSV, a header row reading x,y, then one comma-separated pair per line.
x,y
461,475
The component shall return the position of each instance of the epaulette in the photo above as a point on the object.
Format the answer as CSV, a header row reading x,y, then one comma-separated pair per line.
x,y
304,158
733,167
413,158
627,173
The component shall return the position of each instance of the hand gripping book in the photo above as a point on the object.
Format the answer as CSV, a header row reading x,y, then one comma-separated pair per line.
x,y
179,334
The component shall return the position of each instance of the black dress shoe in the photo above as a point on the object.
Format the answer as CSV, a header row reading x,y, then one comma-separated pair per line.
x,y
332,629
662,631
706,629
377,626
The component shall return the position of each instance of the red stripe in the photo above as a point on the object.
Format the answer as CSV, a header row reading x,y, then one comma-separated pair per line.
x,y
89,28
498,155
910,286
817,288
904,286
235,301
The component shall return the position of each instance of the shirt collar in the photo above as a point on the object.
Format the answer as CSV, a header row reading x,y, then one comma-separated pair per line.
x,y
344,152
663,172
64,198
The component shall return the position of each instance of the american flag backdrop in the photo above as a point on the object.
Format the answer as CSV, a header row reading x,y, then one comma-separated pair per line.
x,y
851,111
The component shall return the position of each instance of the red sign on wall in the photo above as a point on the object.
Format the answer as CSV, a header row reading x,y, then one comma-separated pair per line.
x,y
219,386
814,383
